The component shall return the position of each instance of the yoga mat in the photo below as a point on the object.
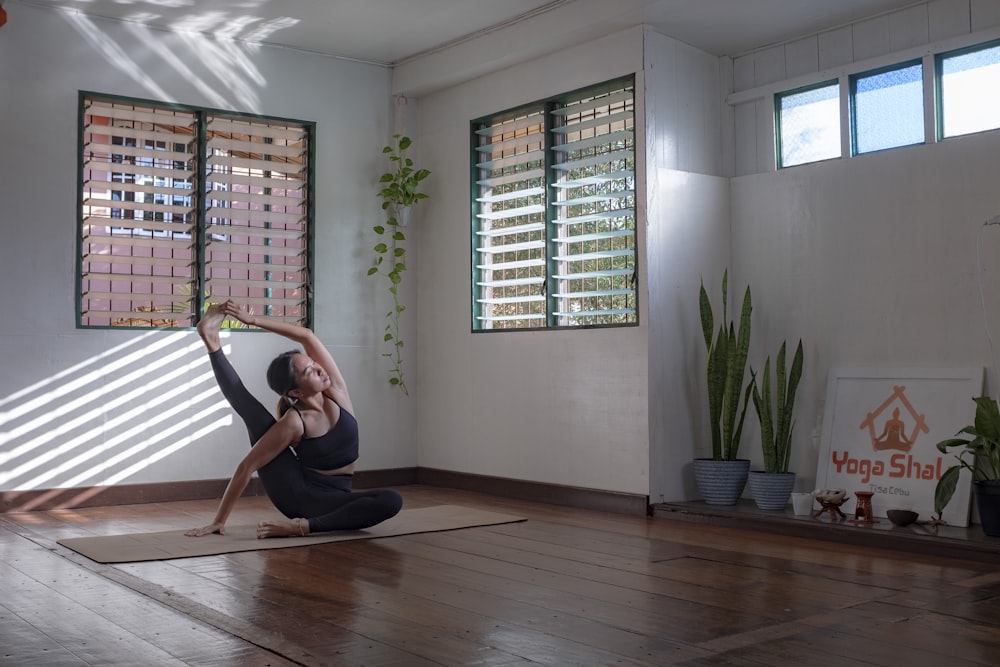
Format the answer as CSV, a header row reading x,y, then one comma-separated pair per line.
x,y
174,544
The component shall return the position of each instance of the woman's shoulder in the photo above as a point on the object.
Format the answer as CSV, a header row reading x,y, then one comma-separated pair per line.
x,y
291,424
340,398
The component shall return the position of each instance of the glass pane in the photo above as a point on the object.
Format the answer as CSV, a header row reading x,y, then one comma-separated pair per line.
x,y
809,123
256,219
510,235
594,195
970,92
138,216
889,109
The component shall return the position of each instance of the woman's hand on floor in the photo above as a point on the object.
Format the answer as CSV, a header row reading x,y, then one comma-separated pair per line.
x,y
207,530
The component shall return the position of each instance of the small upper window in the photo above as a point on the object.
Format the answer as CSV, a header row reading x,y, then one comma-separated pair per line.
x,y
969,90
808,121
887,108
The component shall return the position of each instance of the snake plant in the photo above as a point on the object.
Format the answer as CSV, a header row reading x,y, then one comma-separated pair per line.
x,y
776,416
727,349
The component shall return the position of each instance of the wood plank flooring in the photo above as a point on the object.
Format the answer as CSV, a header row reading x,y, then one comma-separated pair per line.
x,y
565,587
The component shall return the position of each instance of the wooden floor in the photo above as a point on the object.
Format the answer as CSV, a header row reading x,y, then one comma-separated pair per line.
x,y
565,587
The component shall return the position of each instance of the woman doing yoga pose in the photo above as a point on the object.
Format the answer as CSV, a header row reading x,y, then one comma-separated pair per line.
x,y
305,457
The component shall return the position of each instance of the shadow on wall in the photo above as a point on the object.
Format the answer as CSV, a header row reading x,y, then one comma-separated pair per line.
x,y
224,44
109,417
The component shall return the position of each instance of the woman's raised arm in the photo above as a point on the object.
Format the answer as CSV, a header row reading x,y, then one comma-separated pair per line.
x,y
310,343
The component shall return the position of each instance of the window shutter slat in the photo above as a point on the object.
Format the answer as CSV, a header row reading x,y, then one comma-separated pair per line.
x,y
244,215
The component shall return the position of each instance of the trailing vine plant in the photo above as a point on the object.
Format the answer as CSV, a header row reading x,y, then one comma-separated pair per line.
x,y
398,194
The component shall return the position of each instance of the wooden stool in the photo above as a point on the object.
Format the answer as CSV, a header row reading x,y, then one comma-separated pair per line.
x,y
832,507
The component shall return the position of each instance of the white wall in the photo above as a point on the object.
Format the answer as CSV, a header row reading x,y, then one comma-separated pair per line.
x,y
561,407
86,407
872,261
687,239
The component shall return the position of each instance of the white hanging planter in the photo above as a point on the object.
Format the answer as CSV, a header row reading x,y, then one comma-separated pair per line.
x,y
403,215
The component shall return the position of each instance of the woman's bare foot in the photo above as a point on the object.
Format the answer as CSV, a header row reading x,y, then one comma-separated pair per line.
x,y
279,528
210,325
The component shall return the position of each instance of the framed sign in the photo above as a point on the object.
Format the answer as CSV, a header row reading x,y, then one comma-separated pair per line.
x,y
880,431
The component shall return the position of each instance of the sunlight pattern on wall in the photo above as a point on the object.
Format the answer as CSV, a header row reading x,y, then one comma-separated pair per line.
x,y
103,420
220,41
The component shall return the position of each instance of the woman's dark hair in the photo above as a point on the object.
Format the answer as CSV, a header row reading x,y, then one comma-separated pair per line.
x,y
281,379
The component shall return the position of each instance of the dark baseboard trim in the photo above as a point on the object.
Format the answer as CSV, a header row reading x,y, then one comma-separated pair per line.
x,y
125,494
553,494
134,494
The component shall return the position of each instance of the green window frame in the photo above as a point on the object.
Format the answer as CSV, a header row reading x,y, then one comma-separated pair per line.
x,y
807,124
182,206
887,107
967,90
553,212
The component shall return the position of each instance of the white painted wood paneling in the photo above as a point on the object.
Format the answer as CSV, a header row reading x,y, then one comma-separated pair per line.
x,y
948,18
769,65
871,38
746,138
765,134
908,27
802,57
743,73
985,14
836,47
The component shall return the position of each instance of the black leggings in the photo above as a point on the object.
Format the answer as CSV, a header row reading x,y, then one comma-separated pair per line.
x,y
326,500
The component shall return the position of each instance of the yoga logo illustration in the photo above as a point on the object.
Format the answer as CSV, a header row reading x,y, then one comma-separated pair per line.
x,y
893,434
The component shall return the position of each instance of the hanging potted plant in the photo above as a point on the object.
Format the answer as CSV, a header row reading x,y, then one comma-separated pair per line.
x,y
772,487
980,455
398,194
721,479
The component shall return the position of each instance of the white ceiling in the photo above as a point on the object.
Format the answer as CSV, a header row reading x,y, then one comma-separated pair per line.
x,y
394,31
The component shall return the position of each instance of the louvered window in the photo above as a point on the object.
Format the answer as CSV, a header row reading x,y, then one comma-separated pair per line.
x,y
554,212
182,207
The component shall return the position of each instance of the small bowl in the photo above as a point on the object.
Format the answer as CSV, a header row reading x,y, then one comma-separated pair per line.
x,y
902,517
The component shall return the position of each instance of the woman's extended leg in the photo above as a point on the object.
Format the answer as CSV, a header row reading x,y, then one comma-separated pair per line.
x,y
283,475
253,413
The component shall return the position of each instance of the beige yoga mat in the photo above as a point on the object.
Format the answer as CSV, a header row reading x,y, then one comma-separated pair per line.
x,y
174,544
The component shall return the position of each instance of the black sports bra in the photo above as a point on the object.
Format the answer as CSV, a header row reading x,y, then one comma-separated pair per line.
x,y
334,449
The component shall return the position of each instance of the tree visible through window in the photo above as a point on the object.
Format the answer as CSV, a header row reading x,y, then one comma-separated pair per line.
x,y
180,207
808,124
554,212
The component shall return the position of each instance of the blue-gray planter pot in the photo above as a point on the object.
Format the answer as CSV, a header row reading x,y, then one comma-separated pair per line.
x,y
771,490
721,482
988,502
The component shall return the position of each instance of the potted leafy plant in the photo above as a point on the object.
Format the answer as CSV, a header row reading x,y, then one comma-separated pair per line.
x,y
980,455
721,479
772,487
398,194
